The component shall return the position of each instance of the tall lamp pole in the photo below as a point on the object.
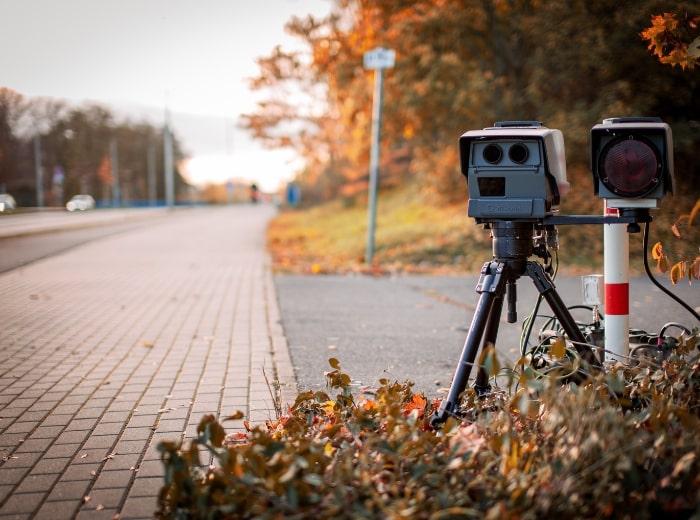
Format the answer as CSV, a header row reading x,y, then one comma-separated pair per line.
x,y
377,59
168,162
38,171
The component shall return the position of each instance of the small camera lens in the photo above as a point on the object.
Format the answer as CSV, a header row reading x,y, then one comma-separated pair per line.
x,y
518,153
493,153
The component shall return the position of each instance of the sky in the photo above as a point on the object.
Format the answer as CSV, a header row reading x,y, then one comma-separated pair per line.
x,y
136,56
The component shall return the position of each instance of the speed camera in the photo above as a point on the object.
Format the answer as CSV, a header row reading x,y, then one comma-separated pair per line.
x,y
514,170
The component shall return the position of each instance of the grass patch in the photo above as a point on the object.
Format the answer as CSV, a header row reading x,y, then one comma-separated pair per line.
x,y
412,235
416,234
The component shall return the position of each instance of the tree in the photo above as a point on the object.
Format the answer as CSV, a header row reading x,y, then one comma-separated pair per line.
x,y
462,64
76,140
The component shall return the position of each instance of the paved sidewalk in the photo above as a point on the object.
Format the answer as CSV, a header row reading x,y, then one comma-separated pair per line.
x,y
413,326
123,342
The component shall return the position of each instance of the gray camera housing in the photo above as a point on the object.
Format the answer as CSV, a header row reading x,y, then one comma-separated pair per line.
x,y
650,130
525,182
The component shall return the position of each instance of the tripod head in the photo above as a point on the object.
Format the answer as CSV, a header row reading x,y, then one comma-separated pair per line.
x,y
514,241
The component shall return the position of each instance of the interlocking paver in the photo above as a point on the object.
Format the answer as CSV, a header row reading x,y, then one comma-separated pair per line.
x,y
46,466
24,503
37,483
54,510
72,490
128,342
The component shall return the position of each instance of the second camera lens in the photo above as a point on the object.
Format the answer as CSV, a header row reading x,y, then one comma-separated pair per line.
x,y
518,153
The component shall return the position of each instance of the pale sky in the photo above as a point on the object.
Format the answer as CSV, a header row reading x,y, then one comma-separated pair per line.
x,y
136,55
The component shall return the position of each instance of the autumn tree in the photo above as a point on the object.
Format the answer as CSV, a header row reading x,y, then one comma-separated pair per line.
x,y
76,140
462,64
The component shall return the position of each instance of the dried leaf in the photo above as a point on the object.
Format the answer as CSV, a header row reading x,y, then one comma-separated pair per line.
x,y
678,272
657,251
674,229
235,416
696,208
418,402
662,264
557,349
684,464
694,270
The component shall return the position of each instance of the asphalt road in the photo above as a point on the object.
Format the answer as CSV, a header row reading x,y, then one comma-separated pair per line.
x,y
19,251
413,327
27,237
55,219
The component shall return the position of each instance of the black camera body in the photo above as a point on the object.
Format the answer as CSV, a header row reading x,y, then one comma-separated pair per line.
x,y
632,161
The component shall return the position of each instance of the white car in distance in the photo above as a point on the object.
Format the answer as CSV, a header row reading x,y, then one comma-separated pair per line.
x,y
7,202
80,203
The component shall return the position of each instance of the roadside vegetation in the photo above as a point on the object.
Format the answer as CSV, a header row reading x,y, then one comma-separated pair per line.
x,y
625,444
412,236
419,232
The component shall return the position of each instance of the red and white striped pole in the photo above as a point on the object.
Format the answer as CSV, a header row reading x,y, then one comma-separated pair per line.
x,y
616,250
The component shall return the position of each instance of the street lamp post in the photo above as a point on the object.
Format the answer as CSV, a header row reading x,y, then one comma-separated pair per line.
x,y
39,171
377,59
168,163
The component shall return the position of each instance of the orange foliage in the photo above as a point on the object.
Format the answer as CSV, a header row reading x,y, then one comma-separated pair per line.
x,y
669,39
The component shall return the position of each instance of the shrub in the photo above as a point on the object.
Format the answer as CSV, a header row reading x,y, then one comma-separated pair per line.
x,y
623,445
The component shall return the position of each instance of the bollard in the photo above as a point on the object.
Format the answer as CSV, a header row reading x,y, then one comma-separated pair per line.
x,y
617,291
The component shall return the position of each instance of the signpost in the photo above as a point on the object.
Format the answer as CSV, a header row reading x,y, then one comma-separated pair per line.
x,y
377,59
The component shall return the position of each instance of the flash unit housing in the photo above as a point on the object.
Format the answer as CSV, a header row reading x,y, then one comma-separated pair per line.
x,y
632,160
514,170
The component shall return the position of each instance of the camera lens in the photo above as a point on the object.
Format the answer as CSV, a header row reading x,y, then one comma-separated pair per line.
x,y
518,153
493,153
630,168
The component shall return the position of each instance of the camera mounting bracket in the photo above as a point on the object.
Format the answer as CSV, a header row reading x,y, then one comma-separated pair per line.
x,y
628,216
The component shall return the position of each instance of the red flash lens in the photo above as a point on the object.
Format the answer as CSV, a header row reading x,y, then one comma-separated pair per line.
x,y
630,168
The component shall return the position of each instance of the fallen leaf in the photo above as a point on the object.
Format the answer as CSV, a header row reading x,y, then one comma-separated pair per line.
x,y
674,229
696,209
557,348
662,264
677,272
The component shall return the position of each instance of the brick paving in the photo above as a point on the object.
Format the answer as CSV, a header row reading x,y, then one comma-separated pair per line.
x,y
118,344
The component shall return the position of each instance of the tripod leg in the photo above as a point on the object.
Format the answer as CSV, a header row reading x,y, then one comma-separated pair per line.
x,y
489,287
545,286
481,385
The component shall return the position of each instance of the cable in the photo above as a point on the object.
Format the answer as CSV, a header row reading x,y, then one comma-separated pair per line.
x,y
645,245
529,322
673,324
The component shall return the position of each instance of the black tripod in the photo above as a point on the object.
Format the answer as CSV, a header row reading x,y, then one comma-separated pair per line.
x,y
513,243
